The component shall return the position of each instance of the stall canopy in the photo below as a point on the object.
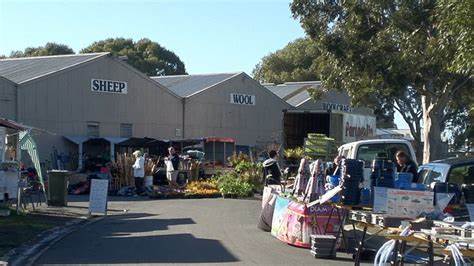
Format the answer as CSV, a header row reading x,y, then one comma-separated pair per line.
x,y
11,124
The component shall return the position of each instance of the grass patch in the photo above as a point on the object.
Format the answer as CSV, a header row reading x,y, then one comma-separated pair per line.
x,y
17,229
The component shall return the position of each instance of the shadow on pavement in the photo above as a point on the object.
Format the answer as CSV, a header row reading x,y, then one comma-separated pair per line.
x,y
136,238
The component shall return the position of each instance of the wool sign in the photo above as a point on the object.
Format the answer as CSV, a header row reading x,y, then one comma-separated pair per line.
x,y
109,86
242,99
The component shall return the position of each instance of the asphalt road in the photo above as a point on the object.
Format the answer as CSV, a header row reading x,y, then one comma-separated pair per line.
x,y
204,231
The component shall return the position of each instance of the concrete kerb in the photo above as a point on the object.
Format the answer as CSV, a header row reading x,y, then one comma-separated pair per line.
x,y
28,254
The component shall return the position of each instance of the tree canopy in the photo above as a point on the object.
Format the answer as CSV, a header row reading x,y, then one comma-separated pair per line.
x,y
392,50
147,56
297,61
50,48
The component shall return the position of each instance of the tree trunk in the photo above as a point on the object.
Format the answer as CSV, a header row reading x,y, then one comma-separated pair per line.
x,y
432,117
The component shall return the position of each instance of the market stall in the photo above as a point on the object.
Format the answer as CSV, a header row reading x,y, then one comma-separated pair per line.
x,y
317,210
15,138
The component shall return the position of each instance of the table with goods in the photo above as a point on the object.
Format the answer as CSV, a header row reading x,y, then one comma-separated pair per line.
x,y
409,217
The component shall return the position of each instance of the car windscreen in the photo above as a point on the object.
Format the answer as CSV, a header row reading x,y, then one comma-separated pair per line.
x,y
368,152
430,173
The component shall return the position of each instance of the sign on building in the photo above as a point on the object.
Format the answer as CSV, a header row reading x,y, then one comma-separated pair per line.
x,y
109,86
243,99
337,107
356,127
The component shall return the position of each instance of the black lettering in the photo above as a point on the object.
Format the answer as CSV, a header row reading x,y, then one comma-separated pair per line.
x,y
109,86
103,85
121,86
116,86
95,85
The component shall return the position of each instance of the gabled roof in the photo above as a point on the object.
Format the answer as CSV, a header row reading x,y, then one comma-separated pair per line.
x,y
294,93
299,99
187,85
20,70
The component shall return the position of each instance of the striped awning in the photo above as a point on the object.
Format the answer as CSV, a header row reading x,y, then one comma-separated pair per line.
x,y
28,144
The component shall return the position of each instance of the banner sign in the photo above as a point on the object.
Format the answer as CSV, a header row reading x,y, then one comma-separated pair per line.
x,y
403,203
242,99
356,127
109,86
294,222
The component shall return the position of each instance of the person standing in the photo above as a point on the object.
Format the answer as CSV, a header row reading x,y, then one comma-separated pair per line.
x,y
271,169
406,165
172,167
139,171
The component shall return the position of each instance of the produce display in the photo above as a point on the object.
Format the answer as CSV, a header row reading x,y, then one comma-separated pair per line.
x,y
320,146
202,189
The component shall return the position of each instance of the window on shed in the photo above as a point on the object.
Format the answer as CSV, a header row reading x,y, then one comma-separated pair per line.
x,y
93,129
126,130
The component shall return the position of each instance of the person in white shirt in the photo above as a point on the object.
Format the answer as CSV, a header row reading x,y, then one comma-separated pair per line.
x,y
139,171
172,167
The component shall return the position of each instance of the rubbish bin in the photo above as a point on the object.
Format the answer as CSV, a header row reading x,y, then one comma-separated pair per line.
x,y
57,187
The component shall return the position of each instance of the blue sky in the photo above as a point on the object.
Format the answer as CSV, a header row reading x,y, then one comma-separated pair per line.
x,y
209,36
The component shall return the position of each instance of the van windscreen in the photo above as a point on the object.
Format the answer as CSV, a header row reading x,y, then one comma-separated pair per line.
x,y
368,152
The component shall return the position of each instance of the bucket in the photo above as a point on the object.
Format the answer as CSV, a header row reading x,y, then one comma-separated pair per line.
x,y
149,181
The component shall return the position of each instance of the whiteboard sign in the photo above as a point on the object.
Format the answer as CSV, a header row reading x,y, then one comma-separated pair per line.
x,y
98,196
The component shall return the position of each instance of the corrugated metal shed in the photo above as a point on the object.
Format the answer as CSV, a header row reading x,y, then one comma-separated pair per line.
x,y
295,93
20,70
299,98
187,85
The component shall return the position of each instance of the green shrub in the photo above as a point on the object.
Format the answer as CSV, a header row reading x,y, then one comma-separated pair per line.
x,y
231,185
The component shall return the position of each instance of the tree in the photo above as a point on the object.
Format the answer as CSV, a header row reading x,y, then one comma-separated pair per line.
x,y
147,56
297,61
50,48
386,49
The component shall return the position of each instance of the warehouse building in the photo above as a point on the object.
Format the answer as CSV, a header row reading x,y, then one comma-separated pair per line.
x,y
87,103
231,105
93,104
332,114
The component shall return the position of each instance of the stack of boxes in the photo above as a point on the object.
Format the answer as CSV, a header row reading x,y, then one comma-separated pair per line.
x,y
318,146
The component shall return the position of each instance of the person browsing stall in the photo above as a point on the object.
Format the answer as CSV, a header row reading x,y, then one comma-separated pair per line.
x,y
172,166
271,169
335,169
406,165
139,171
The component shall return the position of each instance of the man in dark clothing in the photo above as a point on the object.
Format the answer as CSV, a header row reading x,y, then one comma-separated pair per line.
x,y
406,165
271,169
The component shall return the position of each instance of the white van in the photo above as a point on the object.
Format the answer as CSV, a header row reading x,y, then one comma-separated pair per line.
x,y
368,150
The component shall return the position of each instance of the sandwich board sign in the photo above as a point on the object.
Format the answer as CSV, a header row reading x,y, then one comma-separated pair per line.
x,y
98,196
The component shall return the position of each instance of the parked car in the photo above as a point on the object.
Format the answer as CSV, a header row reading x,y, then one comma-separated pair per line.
x,y
453,170
453,175
368,150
